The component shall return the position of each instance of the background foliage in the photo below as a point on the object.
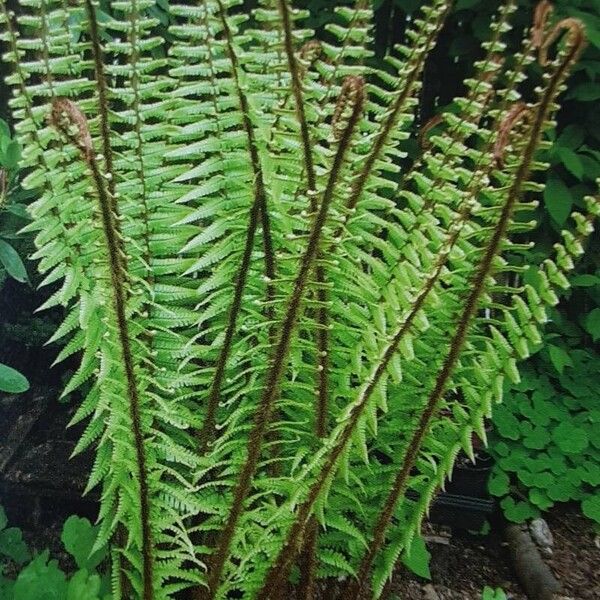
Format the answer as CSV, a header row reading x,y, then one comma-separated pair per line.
x,y
12,217
39,577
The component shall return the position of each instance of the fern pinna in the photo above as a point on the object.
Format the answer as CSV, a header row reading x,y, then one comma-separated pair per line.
x,y
287,330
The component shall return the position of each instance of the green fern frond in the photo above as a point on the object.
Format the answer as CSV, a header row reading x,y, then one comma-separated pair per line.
x,y
259,284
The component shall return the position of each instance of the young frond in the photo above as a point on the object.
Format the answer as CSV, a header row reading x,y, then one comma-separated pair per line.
x,y
287,328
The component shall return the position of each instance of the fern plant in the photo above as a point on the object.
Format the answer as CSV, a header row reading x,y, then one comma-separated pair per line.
x,y
286,334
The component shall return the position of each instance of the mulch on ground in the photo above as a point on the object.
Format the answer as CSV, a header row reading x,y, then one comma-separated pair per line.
x,y
463,567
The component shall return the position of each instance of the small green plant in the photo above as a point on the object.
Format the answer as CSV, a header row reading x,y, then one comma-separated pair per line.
x,y
12,546
547,432
13,213
493,594
40,577
11,381
417,558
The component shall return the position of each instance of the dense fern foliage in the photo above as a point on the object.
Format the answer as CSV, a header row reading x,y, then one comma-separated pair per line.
x,y
286,332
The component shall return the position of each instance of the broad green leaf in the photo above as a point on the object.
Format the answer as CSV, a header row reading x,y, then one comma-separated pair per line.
x,y
83,586
12,155
585,280
79,537
586,92
518,512
417,558
561,490
501,448
558,199
536,439
591,507
20,210
6,588
572,137
592,323
11,381
591,167
506,423
499,484
41,580
569,438
571,161
543,480
560,358
589,472
13,546
12,262
4,130
540,499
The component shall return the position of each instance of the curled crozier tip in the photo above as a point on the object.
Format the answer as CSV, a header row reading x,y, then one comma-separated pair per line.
x,y
69,119
576,39
519,112
349,104
311,51
542,13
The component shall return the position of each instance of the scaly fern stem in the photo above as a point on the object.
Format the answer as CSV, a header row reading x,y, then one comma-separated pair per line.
x,y
100,75
322,313
279,571
309,166
356,588
258,212
45,53
309,169
278,364
65,114
323,358
308,562
113,247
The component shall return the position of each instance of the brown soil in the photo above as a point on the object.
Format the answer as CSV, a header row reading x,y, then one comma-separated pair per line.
x,y
461,569
576,557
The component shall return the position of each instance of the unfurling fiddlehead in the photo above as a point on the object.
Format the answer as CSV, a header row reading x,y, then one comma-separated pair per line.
x,y
278,360
72,123
356,588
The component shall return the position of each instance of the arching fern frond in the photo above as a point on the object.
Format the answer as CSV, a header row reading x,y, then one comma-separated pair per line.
x,y
286,328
